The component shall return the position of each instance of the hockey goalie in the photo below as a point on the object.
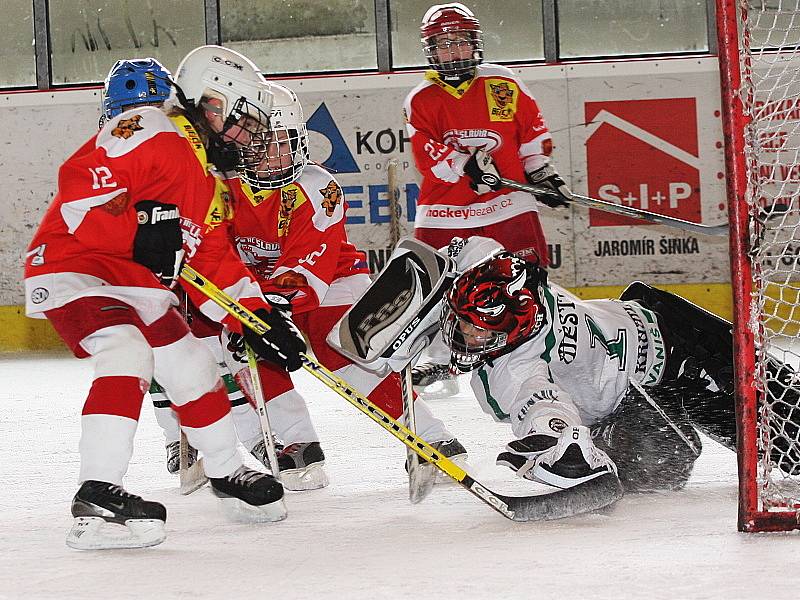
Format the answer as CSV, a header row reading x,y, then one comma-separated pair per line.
x,y
589,387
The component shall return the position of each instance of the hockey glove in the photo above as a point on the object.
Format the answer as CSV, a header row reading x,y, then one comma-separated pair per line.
x,y
482,172
158,243
555,193
283,343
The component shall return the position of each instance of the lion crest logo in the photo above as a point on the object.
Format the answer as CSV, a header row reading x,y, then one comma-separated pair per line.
x,y
333,197
502,94
127,127
287,202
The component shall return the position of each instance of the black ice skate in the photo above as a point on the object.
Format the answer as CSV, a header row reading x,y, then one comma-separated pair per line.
x,y
427,374
107,517
427,475
174,457
261,454
301,466
250,496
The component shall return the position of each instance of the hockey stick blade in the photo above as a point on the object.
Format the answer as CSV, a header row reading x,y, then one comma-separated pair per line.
x,y
625,211
516,508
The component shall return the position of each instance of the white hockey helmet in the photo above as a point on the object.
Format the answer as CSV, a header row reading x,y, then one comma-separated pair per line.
x,y
287,148
222,73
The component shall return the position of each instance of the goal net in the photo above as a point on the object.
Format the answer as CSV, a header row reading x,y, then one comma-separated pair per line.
x,y
759,49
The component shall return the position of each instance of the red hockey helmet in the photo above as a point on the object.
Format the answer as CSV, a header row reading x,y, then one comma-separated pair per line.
x,y
452,32
491,309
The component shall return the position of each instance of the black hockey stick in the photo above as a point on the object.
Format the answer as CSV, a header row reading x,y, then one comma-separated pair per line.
x,y
563,503
620,209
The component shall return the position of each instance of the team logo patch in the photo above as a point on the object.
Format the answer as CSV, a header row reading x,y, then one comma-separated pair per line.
x,y
557,425
501,97
127,127
288,199
39,295
333,197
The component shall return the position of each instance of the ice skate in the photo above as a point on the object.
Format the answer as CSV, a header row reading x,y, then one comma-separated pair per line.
x,y
428,475
174,457
250,496
108,517
259,451
301,467
434,381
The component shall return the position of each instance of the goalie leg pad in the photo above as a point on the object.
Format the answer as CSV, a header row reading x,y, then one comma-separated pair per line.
x,y
650,439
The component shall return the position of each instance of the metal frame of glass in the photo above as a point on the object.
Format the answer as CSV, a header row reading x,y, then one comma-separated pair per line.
x,y
383,36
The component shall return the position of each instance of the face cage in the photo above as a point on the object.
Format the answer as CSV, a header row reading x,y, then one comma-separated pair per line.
x,y
467,355
454,68
292,160
254,122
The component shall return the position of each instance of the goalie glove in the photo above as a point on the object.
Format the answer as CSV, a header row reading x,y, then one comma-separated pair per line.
x,y
482,172
555,193
158,243
283,344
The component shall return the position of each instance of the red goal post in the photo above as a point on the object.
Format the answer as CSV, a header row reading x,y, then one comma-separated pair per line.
x,y
759,57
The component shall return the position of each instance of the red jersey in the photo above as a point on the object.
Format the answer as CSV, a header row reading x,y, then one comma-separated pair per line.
x,y
299,228
495,110
84,244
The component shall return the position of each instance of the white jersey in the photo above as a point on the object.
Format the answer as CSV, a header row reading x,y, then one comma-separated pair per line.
x,y
577,368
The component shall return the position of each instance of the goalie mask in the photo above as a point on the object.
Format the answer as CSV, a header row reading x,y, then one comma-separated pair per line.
x,y
242,98
452,40
286,146
491,309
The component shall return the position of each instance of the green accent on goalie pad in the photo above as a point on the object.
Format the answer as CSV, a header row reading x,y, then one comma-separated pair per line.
x,y
231,387
155,388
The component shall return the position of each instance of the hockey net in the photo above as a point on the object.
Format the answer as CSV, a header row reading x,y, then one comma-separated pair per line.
x,y
759,48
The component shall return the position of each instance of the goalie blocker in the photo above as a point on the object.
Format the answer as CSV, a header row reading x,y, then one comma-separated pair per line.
x,y
389,326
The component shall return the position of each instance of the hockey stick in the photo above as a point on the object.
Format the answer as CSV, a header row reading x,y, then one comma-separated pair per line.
x,y
261,409
559,504
626,211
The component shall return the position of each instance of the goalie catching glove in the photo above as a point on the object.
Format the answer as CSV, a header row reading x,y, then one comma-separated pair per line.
x,y
283,344
555,192
482,172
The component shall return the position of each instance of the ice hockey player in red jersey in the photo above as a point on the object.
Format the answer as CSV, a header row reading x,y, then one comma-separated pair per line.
x,y
134,203
289,228
466,119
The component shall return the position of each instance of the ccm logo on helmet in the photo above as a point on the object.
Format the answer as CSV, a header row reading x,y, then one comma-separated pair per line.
x,y
227,62
158,215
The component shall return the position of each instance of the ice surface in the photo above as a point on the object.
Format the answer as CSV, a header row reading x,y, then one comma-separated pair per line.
x,y
360,537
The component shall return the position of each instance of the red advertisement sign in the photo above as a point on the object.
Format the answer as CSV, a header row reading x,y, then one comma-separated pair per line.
x,y
643,153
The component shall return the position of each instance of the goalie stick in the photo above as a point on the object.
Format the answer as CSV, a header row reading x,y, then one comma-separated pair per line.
x,y
604,490
626,211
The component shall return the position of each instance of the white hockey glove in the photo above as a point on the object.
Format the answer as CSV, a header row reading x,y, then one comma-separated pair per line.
x,y
557,193
482,172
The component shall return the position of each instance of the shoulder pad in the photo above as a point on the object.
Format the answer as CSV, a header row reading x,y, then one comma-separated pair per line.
x,y
325,194
128,131
493,70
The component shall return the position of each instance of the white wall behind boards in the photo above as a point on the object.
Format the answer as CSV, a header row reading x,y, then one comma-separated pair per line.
x,y
644,132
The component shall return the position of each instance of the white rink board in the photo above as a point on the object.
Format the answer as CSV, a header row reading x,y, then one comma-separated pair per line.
x,y
654,137
360,538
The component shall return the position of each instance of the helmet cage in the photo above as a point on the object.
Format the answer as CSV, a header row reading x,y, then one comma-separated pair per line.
x,y
452,18
285,156
468,350
252,135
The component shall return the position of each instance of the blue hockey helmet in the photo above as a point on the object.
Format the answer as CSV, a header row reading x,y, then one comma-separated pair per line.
x,y
135,82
